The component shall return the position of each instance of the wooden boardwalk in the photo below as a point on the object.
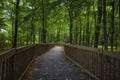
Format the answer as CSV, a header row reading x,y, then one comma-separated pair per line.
x,y
54,66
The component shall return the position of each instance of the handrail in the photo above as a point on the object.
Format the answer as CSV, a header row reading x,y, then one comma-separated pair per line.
x,y
15,62
100,64
7,54
96,50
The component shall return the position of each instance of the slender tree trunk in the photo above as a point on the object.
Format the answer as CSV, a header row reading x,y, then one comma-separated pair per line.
x,y
119,27
71,25
95,23
69,6
83,40
116,43
112,26
43,23
32,30
88,29
97,27
58,35
104,25
117,37
16,24
12,34
39,36
76,35
31,34
27,38
80,36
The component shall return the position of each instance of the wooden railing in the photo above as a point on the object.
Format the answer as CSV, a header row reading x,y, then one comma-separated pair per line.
x,y
15,62
99,63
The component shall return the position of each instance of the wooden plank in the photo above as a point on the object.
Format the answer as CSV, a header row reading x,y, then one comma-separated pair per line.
x,y
6,55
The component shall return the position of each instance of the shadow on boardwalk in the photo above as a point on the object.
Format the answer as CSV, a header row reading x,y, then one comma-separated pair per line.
x,y
54,66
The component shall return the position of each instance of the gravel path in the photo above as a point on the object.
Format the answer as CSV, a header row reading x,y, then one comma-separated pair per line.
x,y
54,66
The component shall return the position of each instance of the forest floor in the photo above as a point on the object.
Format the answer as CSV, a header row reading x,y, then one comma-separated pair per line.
x,y
54,66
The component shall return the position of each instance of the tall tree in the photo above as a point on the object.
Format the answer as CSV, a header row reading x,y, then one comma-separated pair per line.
x,y
70,21
70,14
32,30
76,35
80,33
112,25
43,23
104,25
16,24
98,25
88,26
119,26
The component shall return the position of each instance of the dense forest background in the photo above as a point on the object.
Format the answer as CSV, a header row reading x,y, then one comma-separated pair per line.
x,y
92,23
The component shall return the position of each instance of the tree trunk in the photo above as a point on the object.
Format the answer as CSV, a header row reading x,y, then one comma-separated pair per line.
x,y
40,36
119,28
88,29
97,27
27,38
58,35
80,34
12,34
16,25
112,26
43,23
32,31
70,21
71,26
76,35
104,25
83,40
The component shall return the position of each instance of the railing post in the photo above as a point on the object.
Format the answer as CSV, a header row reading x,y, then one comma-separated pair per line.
x,y
3,70
110,67
114,69
12,72
99,67
118,69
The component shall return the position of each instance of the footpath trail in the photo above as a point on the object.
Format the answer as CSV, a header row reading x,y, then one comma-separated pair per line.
x,y
54,66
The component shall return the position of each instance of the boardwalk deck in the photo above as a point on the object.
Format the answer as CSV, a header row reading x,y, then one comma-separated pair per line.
x,y
54,66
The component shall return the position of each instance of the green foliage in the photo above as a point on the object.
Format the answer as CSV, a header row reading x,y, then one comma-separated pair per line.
x,y
2,39
56,14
